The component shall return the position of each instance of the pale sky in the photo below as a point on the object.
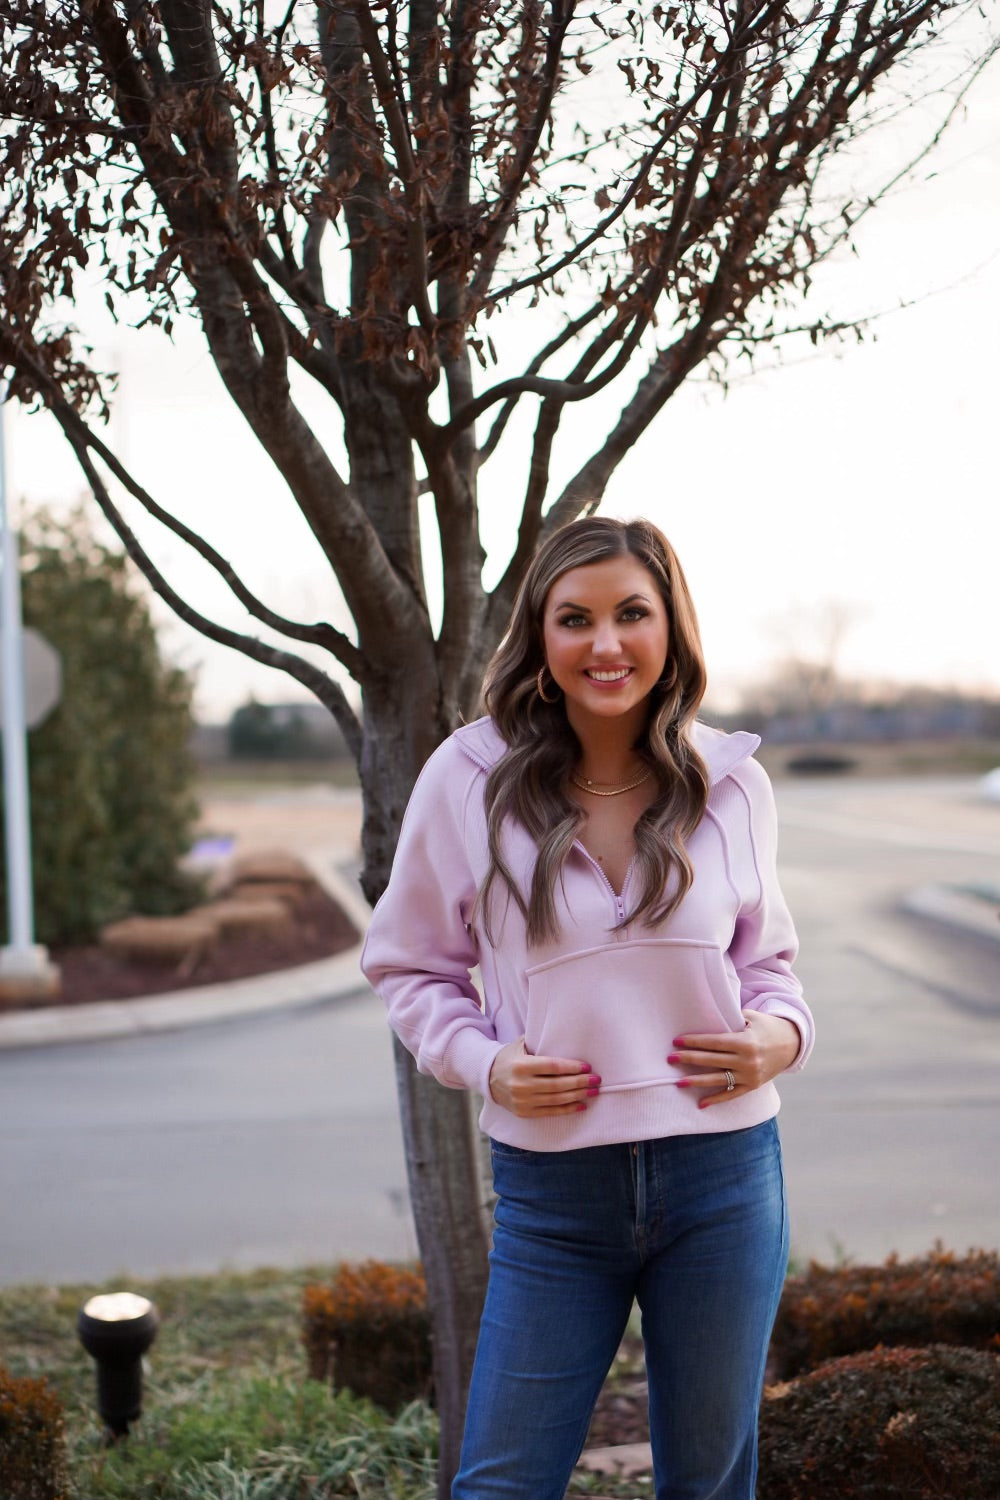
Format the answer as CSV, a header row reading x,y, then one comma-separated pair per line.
x,y
862,476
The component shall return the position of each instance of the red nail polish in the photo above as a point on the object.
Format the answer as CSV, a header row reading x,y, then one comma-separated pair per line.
x,y
678,1041
685,1083
586,1068
592,1093
673,1058
579,1107
595,1080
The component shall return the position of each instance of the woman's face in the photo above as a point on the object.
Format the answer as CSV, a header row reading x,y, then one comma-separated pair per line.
x,y
606,634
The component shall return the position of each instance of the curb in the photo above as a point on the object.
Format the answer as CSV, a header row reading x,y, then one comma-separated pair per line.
x,y
315,983
329,979
960,911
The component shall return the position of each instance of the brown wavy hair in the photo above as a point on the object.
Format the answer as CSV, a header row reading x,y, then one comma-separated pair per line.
x,y
528,783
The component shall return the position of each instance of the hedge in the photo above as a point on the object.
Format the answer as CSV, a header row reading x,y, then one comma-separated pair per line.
x,y
885,1424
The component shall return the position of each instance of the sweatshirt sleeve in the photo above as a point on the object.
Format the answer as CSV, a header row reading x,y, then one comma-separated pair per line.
x,y
765,944
419,949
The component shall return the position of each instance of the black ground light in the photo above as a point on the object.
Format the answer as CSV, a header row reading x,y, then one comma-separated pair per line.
x,y
117,1328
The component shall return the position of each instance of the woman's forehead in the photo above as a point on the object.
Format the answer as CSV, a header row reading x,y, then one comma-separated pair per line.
x,y
613,579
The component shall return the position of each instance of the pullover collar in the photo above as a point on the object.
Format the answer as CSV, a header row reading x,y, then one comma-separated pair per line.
x,y
721,752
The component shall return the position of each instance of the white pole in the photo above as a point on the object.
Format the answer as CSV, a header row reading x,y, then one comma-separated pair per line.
x,y
21,957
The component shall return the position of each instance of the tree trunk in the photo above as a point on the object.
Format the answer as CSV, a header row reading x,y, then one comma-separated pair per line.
x,y
442,1163
402,725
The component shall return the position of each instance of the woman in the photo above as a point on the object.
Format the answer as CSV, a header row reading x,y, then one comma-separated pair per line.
x,y
609,864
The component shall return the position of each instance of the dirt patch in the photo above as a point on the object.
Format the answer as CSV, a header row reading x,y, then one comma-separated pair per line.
x,y
621,1414
317,929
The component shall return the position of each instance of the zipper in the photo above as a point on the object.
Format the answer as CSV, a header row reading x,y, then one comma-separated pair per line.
x,y
619,901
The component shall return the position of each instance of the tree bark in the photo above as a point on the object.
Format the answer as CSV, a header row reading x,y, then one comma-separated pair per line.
x,y
401,727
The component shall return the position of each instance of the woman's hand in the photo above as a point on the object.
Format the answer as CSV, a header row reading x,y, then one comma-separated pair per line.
x,y
534,1087
752,1057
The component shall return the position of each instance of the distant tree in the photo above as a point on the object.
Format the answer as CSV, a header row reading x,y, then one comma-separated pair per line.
x,y
112,807
375,196
273,732
256,731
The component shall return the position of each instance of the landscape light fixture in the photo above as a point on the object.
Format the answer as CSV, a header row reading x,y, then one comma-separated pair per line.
x,y
116,1329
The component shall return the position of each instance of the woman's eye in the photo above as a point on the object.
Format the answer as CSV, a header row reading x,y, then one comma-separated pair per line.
x,y
630,615
573,620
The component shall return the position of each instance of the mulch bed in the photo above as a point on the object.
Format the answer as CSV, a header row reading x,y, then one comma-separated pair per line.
x,y
621,1414
319,929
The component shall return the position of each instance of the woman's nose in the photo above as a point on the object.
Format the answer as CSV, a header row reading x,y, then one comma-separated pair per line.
x,y
607,640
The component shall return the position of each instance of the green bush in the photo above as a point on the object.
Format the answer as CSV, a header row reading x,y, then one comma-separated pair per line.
x,y
112,807
32,1444
885,1424
369,1332
939,1298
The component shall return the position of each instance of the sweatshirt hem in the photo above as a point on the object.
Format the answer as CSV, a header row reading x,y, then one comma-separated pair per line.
x,y
640,1114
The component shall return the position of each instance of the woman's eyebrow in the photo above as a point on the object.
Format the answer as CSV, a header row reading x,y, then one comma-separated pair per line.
x,y
584,610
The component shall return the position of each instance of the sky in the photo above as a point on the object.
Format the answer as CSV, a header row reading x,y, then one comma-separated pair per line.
x,y
855,480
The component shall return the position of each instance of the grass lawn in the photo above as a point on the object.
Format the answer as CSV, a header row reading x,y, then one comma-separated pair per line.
x,y
227,1411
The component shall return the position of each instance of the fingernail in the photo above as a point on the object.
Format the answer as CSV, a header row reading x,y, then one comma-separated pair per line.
x,y
685,1083
579,1107
673,1058
703,1104
595,1080
586,1068
592,1093
678,1041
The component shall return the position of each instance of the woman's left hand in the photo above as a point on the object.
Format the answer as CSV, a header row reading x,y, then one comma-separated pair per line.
x,y
752,1057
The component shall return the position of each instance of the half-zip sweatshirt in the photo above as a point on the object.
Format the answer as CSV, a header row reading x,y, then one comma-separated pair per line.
x,y
609,994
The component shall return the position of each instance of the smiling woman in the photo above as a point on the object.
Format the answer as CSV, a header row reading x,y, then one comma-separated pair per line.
x,y
608,863
606,635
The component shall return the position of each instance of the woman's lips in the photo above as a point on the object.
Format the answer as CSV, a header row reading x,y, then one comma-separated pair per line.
x,y
608,676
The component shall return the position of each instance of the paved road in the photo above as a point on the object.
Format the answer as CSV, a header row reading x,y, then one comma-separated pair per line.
x,y
892,1135
275,1141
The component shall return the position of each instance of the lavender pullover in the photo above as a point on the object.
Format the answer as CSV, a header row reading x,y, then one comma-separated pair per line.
x,y
614,996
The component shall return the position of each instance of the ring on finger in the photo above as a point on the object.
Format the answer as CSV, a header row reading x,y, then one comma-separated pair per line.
x,y
730,1081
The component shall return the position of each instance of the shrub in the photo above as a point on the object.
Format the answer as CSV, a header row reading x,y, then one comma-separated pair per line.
x,y
938,1298
886,1424
111,776
32,1444
369,1332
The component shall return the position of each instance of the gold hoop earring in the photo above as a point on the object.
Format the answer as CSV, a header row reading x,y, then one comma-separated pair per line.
x,y
538,687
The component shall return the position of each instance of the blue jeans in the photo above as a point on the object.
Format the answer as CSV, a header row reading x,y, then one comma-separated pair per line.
x,y
692,1227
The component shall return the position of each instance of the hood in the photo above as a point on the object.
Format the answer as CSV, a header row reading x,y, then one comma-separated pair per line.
x,y
721,752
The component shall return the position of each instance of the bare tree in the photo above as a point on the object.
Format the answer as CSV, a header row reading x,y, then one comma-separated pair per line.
x,y
810,640
372,194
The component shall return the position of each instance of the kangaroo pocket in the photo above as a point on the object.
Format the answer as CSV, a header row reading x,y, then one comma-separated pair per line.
x,y
620,1006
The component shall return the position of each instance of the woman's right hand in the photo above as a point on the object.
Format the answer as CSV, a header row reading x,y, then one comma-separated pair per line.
x,y
535,1087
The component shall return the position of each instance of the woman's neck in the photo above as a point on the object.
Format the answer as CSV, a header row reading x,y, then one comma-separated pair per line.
x,y
607,752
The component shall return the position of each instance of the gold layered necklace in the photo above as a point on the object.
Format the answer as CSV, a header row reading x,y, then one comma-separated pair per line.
x,y
608,788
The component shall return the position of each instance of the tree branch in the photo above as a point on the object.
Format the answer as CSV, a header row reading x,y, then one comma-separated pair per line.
x,y
527,145
82,440
758,18
576,326
394,110
329,692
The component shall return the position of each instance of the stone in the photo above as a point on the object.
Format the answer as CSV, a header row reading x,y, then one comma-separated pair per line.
x,y
270,865
247,914
625,1460
167,940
